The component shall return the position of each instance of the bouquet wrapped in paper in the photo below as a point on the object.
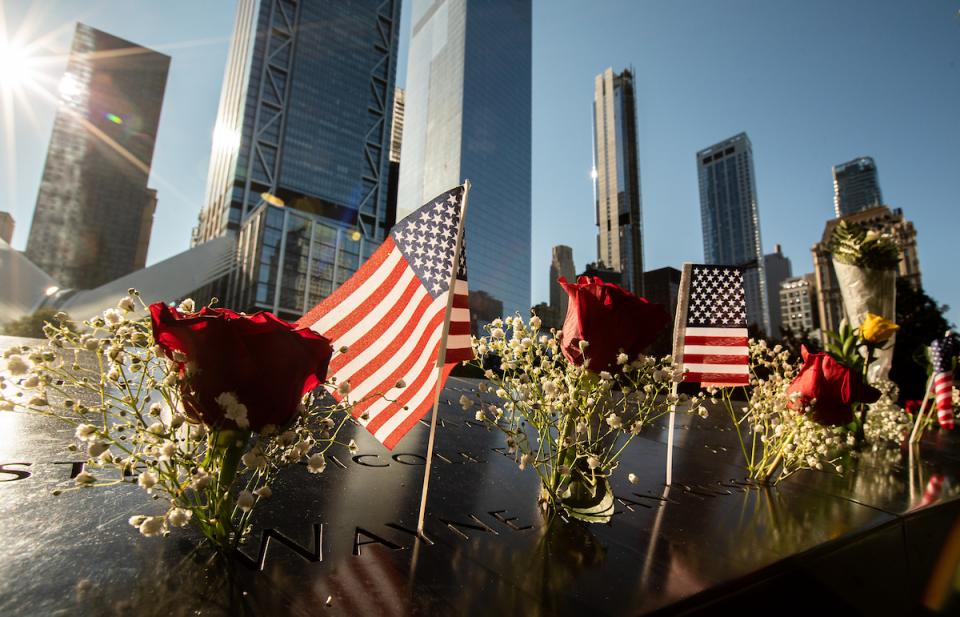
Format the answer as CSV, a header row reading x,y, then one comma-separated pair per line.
x,y
866,266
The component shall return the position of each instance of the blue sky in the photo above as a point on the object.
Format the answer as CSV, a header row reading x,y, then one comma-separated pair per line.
x,y
813,84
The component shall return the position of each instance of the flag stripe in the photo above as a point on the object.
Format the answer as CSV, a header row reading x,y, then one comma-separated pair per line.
x,y
423,397
419,378
386,296
726,369
721,378
695,358
418,332
379,347
414,416
716,341
369,267
715,351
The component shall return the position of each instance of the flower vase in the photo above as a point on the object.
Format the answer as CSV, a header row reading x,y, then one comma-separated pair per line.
x,y
869,290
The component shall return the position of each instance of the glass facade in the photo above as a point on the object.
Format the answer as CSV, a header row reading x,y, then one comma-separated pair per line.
x,y
289,261
617,177
730,218
310,126
855,186
94,211
468,116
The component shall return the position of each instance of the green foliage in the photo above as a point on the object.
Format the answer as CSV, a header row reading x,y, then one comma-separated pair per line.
x,y
921,321
844,347
31,326
856,246
794,340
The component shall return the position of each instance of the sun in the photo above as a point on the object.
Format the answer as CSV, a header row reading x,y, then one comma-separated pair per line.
x,y
16,68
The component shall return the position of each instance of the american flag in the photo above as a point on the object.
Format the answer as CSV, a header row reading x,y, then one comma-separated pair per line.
x,y
390,316
710,337
942,352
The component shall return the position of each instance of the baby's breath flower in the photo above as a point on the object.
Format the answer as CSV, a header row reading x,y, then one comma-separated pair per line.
x,y
245,500
147,480
113,316
179,517
126,304
85,478
17,366
316,463
152,526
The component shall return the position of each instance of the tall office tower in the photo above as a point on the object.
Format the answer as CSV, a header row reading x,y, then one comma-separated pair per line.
x,y
777,269
855,186
467,116
6,227
616,174
94,211
561,265
731,220
304,122
798,305
881,219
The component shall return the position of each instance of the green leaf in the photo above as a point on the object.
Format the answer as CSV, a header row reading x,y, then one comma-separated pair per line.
x,y
592,504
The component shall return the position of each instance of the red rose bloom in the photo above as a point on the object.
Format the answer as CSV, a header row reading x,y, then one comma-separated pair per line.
x,y
610,319
259,359
834,386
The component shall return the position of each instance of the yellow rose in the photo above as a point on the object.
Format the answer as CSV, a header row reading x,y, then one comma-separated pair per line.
x,y
877,329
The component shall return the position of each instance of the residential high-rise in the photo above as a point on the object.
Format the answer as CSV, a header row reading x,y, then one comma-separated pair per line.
x,y
881,219
798,305
731,220
304,123
855,186
6,227
94,211
561,265
777,269
616,174
467,116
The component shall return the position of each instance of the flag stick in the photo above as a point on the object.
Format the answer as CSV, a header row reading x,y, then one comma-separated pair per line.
x,y
679,326
441,358
920,419
670,424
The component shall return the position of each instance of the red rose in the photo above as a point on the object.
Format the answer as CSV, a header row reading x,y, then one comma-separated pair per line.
x,y
610,319
259,361
834,386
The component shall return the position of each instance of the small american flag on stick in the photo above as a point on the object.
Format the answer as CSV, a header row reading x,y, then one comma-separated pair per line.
x,y
391,316
942,352
710,337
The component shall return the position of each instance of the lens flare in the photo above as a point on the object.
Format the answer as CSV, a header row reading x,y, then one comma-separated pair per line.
x,y
113,118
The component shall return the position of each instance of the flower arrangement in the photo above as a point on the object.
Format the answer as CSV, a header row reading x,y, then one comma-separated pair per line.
x,y
856,246
199,408
570,402
865,263
801,416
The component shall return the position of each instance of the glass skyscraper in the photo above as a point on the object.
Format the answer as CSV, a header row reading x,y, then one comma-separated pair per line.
x,y
731,220
304,124
855,186
616,177
467,116
94,212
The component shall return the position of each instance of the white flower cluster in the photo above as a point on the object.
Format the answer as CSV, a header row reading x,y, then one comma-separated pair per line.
x,y
568,423
138,431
